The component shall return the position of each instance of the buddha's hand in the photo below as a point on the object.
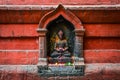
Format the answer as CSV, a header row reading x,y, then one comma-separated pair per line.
x,y
57,49
60,49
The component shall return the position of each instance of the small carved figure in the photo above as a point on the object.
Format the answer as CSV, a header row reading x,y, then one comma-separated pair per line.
x,y
61,47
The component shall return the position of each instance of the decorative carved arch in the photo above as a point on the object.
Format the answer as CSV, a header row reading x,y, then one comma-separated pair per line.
x,y
60,10
78,42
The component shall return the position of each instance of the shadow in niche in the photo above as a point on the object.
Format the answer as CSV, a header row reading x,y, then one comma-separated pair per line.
x,y
58,47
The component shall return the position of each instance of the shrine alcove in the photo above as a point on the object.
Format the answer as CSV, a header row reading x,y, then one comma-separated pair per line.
x,y
53,25
52,34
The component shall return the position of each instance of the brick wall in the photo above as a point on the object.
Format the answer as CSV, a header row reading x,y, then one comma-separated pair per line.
x,y
19,43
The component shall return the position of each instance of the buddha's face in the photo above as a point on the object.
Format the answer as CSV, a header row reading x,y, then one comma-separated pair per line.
x,y
60,33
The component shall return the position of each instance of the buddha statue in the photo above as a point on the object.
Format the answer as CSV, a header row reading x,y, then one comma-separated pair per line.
x,y
61,47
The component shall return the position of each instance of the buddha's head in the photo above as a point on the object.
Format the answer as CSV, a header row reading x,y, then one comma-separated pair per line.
x,y
60,34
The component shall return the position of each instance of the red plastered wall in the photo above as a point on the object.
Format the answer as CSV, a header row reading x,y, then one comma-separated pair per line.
x,y
19,43
52,2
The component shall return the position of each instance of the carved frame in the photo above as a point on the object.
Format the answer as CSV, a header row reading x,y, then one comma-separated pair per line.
x,y
79,33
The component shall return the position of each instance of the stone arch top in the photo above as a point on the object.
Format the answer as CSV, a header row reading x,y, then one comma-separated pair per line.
x,y
60,10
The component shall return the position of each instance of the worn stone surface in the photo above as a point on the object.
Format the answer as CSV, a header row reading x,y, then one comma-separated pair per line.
x,y
103,71
48,7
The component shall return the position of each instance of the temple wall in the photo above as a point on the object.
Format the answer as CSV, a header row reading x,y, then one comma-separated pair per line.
x,y
53,2
19,50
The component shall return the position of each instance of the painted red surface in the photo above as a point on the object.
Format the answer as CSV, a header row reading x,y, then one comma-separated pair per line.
x,y
18,57
102,56
18,43
102,30
18,30
29,30
19,39
24,36
101,43
52,2
34,16
32,43
21,57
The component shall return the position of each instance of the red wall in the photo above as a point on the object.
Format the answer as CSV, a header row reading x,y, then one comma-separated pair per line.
x,y
19,39
52,2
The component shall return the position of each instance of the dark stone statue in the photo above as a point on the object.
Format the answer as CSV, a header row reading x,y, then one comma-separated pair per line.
x,y
61,47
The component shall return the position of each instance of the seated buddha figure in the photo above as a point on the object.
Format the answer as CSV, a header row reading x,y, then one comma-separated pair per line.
x,y
61,47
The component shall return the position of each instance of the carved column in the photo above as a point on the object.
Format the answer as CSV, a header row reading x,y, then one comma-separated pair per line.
x,y
78,48
42,47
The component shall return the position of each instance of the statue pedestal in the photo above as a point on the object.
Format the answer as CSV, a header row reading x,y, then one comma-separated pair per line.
x,y
50,70
60,60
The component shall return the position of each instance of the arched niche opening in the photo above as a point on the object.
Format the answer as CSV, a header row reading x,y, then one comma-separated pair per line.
x,y
53,28
49,26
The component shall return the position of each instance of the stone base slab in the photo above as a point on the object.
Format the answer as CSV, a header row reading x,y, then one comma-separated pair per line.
x,y
93,71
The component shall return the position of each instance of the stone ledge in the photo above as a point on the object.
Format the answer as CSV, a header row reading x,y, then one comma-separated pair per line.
x,y
94,68
103,68
92,72
50,7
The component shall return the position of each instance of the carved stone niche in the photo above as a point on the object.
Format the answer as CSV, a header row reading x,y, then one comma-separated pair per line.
x,y
60,19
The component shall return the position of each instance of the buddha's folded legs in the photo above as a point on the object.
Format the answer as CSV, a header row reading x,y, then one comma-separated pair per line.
x,y
67,54
55,54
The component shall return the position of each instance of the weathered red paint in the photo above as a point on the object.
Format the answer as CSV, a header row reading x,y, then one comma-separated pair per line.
x,y
18,57
19,39
52,2
18,30
34,16
29,30
18,43
102,30
102,43
102,56
21,57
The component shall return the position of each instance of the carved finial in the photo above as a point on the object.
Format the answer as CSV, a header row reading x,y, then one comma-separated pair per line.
x,y
60,6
